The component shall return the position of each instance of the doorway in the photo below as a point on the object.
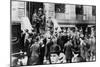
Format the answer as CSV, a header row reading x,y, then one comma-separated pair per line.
x,y
31,6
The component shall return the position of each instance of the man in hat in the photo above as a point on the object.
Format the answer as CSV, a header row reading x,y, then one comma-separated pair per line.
x,y
68,51
38,20
54,52
41,19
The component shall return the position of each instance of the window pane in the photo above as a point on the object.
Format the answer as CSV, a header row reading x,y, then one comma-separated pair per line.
x,y
79,10
59,8
94,10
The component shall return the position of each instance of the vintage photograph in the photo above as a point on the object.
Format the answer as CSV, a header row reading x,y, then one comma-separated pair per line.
x,y
44,33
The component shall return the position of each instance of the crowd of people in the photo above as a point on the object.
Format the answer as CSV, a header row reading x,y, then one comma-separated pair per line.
x,y
51,46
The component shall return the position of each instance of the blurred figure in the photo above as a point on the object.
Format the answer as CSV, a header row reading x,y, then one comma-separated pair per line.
x,y
50,25
38,20
68,51
34,57
25,24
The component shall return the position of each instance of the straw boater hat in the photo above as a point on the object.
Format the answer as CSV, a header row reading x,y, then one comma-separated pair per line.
x,y
40,9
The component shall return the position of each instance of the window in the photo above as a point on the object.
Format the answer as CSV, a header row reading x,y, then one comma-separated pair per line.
x,y
18,10
94,10
79,10
59,8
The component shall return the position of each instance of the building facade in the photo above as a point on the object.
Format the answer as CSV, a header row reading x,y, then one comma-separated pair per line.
x,y
65,14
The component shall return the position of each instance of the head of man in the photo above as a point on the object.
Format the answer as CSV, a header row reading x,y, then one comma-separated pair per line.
x,y
54,57
40,11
